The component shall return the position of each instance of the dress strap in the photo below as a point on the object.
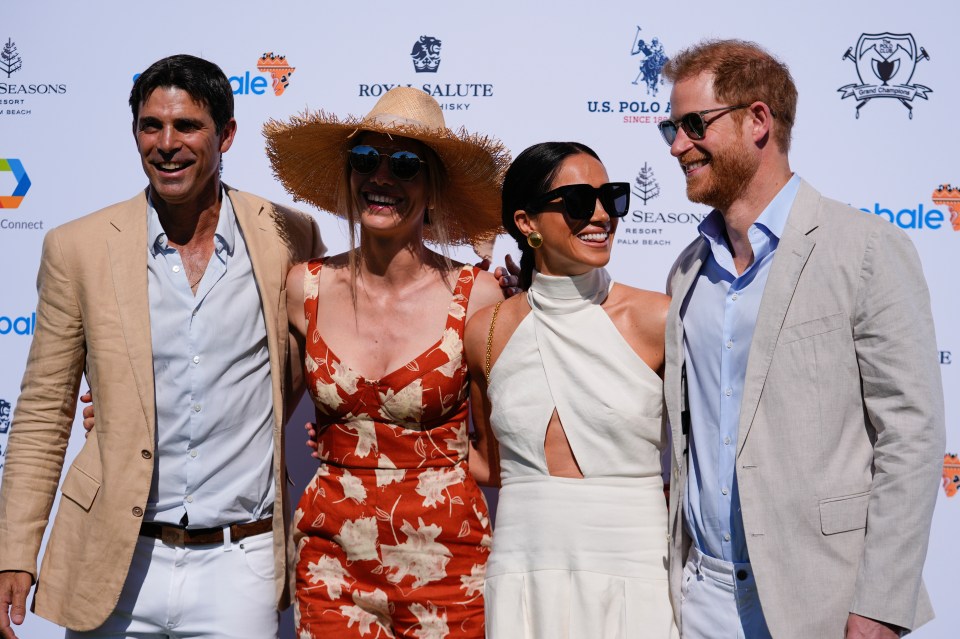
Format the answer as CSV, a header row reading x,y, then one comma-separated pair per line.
x,y
493,322
311,284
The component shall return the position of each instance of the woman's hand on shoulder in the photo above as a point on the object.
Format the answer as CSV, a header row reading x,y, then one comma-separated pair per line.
x,y
486,292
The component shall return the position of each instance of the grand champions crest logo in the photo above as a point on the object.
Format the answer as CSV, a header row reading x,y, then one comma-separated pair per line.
x,y
891,59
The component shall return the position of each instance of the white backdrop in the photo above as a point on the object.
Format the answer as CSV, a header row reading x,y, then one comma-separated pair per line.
x,y
523,71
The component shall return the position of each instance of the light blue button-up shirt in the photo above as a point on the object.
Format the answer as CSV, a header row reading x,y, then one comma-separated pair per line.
x,y
719,316
211,366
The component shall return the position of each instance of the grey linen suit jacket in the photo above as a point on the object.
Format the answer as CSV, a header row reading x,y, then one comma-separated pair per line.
x,y
93,317
841,432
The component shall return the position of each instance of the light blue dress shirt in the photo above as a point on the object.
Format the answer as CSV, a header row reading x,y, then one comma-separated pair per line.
x,y
211,366
719,316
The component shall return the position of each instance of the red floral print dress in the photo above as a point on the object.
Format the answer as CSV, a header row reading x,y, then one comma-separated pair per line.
x,y
392,534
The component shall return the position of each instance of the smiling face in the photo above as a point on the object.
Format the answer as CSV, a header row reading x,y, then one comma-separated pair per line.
x,y
180,148
383,201
571,247
719,167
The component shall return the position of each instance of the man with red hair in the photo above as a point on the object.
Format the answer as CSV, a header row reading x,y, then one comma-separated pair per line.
x,y
801,381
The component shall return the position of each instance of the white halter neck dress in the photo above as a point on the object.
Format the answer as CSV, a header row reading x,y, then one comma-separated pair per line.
x,y
577,558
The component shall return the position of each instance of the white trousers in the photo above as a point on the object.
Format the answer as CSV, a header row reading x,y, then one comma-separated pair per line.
x,y
197,592
719,600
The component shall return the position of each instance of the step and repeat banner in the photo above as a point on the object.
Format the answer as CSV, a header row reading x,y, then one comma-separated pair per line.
x,y
876,127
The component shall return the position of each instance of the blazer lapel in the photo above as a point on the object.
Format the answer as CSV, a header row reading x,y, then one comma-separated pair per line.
x,y
684,277
791,256
270,271
127,245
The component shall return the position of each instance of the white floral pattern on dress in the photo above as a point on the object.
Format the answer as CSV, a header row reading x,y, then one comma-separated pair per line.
x,y
358,537
473,583
459,443
405,405
353,487
369,608
330,573
420,556
366,434
434,481
326,397
344,377
433,622
388,473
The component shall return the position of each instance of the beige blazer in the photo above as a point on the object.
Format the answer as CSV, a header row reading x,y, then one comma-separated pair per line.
x,y
93,317
841,432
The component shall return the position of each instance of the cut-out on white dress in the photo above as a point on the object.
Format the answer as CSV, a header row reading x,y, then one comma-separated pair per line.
x,y
577,558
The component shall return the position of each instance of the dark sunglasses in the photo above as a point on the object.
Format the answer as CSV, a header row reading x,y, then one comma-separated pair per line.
x,y
580,200
693,123
365,159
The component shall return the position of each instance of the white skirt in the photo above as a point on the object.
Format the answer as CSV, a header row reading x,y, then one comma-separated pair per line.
x,y
579,558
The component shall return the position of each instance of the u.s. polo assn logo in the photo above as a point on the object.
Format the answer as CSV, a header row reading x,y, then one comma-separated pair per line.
x,y
890,58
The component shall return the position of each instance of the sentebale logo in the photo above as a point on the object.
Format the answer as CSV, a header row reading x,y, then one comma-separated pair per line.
x,y
13,200
951,474
949,196
278,68
890,58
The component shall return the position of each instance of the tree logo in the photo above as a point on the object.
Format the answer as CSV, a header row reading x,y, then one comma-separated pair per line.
x,y
645,186
9,58
890,58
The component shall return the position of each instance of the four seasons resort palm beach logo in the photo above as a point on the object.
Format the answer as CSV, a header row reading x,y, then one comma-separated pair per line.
x,y
891,59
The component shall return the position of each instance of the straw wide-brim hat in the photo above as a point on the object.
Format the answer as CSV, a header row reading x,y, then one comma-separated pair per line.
x,y
309,157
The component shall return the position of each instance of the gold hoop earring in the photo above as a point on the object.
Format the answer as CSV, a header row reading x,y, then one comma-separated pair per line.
x,y
535,240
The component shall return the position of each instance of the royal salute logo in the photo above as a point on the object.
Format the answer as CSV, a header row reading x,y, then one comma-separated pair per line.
x,y
426,54
643,103
891,59
4,417
454,95
951,474
650,226
15,96
949,196
279,70
21,186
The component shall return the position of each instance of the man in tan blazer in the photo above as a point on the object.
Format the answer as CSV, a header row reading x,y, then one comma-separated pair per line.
x,y
801,381
174,513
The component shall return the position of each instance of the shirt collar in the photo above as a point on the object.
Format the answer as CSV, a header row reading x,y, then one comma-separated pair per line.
x,y
771,221
224,235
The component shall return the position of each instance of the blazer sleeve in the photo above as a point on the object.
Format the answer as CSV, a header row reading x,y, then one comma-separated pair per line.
x,y
903,398
44,414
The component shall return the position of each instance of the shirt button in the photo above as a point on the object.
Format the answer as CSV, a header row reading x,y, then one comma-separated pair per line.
x,y
734,297
196,359
193,453
196,408
726,536
137,511
176,268
724,490
727,392
726,441
145,454
729,343
189,499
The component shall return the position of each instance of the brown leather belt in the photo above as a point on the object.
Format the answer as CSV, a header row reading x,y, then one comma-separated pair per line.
x,y
178,536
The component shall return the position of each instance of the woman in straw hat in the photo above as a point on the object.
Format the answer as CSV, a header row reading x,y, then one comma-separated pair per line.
x,y
392,533
570,371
